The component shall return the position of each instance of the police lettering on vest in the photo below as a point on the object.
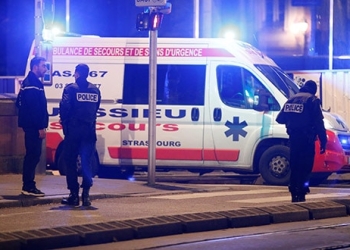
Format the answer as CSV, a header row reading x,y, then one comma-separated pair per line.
x,y
87,97
294,108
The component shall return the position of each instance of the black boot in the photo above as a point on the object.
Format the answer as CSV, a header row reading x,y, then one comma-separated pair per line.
x,y
298,197
85,197
72,200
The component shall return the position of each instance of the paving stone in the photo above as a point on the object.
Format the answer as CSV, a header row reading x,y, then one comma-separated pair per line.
x,y
246,217
322,210
345,202
286,213
199,222
155,226
9,242
48,238
103,232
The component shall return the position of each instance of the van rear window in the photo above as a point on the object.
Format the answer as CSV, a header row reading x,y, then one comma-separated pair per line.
x,y
176,84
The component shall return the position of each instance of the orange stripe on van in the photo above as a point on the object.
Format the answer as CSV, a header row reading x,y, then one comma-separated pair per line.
x,y
174,154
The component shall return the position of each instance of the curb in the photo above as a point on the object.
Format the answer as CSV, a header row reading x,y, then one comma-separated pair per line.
x,y
101,233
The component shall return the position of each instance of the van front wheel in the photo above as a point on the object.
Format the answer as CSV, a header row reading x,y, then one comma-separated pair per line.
x,y
274,165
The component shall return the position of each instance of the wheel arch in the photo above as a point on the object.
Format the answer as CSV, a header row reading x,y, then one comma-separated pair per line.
x,y
263,146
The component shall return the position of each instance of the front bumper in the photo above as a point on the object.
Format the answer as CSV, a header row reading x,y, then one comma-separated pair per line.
x,y
334,159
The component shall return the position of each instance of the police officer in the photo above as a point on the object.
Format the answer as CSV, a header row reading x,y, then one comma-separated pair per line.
x,y
302,115
78,108
33,118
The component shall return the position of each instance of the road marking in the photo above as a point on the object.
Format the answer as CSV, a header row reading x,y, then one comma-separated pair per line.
x,y
288,198
215,194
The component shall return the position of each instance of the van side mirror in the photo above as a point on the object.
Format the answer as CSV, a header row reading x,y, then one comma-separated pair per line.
x,y
261,100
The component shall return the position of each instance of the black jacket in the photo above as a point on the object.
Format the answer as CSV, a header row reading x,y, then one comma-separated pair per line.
x,y
79,104
302,113
32,104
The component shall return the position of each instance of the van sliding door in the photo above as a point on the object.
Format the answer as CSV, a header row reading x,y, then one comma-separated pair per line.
x,y
179,115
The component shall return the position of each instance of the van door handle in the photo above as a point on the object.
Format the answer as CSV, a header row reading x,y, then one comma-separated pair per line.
x,y
217,114
195,114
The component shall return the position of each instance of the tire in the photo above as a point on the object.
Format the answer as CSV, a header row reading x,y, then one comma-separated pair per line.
x,y
274,165
62,168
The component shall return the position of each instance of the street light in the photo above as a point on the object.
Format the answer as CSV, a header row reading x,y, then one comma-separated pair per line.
x,y
299,28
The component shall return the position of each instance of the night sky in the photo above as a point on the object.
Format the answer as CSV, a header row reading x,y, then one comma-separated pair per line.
x,y
115,18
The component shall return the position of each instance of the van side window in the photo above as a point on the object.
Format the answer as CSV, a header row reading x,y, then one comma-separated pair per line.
x,y
254,89
176,84
230,85
240,88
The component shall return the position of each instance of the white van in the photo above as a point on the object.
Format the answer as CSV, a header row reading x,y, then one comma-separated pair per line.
x,y
217,101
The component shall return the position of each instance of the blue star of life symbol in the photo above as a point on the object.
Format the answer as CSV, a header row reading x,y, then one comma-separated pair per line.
x,y
236,128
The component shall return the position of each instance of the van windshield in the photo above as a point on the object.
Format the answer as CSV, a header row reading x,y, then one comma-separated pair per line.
x,y
280,79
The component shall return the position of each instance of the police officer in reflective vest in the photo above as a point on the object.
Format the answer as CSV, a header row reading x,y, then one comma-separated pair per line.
x,y
78,108
302,115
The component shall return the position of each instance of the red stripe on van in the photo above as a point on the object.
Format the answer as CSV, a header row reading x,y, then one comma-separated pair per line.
x,y
53,139
174,154
227,155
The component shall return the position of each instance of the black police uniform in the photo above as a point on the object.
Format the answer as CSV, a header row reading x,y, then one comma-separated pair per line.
x,y
302,115
32,117
78,108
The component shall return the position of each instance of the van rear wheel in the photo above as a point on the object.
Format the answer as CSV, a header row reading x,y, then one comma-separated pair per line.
x,y
274,165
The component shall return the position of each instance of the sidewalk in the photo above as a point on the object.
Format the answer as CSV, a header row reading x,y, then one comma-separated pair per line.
x,y
55,189
149,226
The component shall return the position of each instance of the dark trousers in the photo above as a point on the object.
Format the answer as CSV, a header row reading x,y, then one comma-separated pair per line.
x,y
33,145
79,141
302,153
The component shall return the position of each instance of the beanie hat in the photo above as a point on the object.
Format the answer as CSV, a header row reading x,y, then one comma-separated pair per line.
x,y
309,87
83,70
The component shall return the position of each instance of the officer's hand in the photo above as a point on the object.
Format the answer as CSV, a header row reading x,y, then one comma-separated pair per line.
x,y
42,133
323,149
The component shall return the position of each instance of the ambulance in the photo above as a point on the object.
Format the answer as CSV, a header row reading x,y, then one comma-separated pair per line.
x,y
216,105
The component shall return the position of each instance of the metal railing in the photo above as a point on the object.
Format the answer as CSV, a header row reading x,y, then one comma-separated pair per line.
x,y
10,84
